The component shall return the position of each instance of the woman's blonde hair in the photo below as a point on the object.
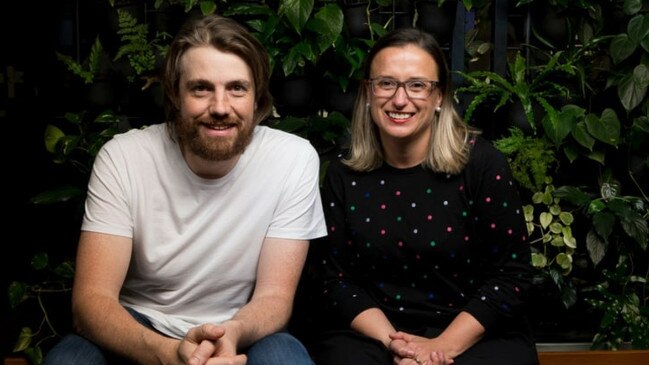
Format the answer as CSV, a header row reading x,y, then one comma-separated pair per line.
x,y
448,151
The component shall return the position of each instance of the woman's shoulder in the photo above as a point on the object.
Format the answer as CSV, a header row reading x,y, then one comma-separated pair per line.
x,y
484,156
483,150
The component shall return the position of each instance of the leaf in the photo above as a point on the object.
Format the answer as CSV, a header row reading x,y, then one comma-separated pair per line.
x,y
35,354
641,123
580,134
539,260
40,261
58,195
622,47
573,195
297,12
570,241
556,227
603,223
558,128
65,270
564,260
606,128
596,206
638,28
545,218
631,7
207,7
568,295
632,89
327,24
17,293
24,339
596,247
566,218
637,228
53,135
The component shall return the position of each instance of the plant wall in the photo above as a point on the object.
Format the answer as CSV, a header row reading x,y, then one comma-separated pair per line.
x,y
571,113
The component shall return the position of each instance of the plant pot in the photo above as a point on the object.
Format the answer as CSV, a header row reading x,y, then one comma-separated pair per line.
x,y
401,13
294,96
356,19
436,20
339,100
549,26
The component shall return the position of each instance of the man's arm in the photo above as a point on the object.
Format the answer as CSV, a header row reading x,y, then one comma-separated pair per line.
x,y
102,263
280,265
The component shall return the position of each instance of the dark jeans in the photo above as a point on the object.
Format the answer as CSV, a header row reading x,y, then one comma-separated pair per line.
x,y
276,349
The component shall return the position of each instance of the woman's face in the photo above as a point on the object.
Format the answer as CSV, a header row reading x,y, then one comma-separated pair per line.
x,y
400,118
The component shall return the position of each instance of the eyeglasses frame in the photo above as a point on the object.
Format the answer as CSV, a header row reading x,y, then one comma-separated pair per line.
x,y
433,84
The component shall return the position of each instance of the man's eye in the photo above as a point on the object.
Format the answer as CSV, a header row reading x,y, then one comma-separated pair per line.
x,y
238,90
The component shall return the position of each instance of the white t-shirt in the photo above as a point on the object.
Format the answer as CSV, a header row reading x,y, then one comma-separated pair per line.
x,y
196,242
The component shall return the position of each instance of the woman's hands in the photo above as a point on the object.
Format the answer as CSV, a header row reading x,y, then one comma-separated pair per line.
x,y
416,350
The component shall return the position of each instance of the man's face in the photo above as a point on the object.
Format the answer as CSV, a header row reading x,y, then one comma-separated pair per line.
x,y
217,104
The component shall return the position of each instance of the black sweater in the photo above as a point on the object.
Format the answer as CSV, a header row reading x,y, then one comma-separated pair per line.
x,y
422,246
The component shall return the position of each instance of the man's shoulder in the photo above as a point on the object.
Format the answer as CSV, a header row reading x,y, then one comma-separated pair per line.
x,y
137,137
282,140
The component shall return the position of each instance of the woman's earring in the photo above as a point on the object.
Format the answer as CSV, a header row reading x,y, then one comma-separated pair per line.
x,y
438,109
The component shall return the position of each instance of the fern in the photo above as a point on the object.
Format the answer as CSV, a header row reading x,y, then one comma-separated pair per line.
x,y
530,158
89,72
142,54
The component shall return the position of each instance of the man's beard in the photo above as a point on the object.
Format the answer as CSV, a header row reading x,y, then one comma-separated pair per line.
x,y
216,148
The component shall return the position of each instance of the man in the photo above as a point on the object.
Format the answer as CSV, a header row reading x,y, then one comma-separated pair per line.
x,y
196,231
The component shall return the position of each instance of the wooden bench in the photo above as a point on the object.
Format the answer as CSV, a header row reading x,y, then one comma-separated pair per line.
x,y
595,357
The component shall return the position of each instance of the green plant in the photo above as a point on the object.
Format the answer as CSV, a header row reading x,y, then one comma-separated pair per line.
x,y
530,158
89,69
77,149
617,244
143,54
54,280
520,85
295,34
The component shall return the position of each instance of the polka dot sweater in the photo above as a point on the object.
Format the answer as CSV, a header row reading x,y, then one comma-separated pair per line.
x,y
422,246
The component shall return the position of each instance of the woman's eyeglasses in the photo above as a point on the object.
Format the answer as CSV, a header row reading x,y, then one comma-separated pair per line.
x,y
415,89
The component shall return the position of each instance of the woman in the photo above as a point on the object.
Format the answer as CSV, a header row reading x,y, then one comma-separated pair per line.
x,y
426,259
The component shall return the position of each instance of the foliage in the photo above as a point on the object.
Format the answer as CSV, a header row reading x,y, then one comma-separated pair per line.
x,y
76,149
619,231
90,68
143,55
55,280
530,158
593,94
486,85
625,313
295,34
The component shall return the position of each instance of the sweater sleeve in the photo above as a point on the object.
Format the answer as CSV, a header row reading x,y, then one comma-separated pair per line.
x,y
505,265
342,293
